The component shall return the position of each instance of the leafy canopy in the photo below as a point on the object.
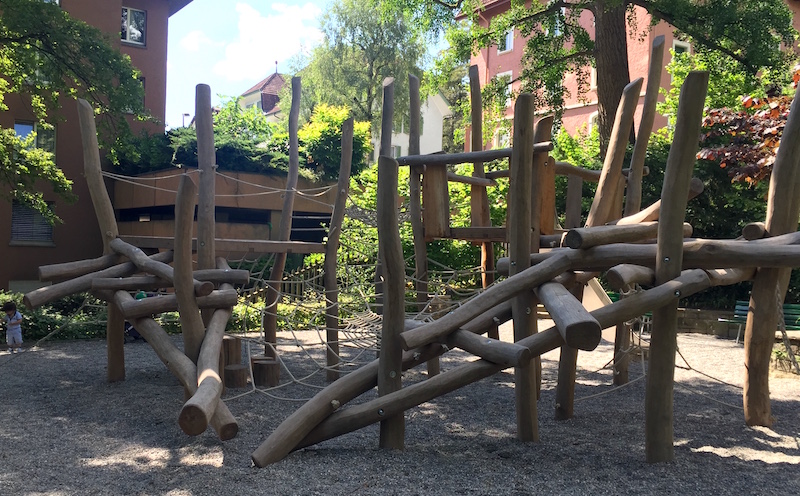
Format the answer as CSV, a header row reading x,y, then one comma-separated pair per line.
x,y
45,54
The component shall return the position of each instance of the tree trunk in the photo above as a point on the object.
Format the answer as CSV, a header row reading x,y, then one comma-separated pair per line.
x,y
611,58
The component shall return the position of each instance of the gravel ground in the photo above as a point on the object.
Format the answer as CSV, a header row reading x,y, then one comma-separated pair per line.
x,y
67,431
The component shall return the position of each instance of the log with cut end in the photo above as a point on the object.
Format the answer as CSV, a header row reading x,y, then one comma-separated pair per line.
x,y
622,276
83,283
236,376
525,280
70,270
146,264
577,327
220,298
652,212
493,350
587,237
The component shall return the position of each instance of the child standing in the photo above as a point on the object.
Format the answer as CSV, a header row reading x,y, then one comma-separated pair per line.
x,y
13,321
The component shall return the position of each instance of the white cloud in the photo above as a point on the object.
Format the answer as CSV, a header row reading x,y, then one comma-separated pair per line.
x,y
195,40
262,40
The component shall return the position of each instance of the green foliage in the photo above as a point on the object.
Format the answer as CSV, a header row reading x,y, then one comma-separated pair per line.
x,y
321,141
361,47
581,150
46,54
79,316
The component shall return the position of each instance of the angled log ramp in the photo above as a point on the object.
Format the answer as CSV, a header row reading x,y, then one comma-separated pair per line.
x,y
587,237
149,282
285,438
70,270
226,296
337,422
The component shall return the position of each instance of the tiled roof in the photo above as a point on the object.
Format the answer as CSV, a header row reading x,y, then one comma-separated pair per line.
x,y
271,85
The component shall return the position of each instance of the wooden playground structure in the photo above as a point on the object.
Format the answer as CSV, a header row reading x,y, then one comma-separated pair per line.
x,y
545,264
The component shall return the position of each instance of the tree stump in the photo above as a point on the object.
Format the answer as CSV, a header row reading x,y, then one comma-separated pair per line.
x,y
232,350
236,376
266,371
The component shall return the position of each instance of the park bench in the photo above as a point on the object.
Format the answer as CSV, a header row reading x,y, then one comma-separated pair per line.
x,y
791,319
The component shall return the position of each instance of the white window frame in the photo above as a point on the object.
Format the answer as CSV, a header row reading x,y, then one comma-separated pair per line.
x,y
682,45
594,120
510,87
397,151
502,138
593,79
126,32
40,135
508,38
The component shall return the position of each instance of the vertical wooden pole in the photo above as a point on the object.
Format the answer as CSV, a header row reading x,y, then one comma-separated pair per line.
x,y
331,249
479,199
192,327
603,202
633,200
574,197
523,307
284,234
663,343
769,285
115,325
385,150
415,207
392,431
207,165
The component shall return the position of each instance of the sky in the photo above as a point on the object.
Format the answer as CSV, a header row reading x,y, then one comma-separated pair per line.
x,y
232,45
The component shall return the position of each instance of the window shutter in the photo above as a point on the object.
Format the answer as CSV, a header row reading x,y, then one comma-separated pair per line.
x,y
28,225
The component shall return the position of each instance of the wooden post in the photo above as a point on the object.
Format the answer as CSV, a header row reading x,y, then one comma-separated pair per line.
x,y
669,258
232,350
602,205
633,200
415,207
284,233
385,150
206,161
192,327
479,199
769,286
331,249
115,325
574,197
521,213
392,430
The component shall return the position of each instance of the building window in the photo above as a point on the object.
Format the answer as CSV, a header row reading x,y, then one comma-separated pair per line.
x,y
502,138
594,119
134,26
29,226
679,47
506,43
45,138
397,151
593,79
508,76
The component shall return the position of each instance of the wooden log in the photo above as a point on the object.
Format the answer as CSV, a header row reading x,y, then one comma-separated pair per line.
x,y
273,296
197,411
192,327
266,371
232,350
474,181
70,270
467,157
331,249
115,341
233,246
493,350
769,286
567,363
652,212
754,230
623,276
92,171
548,211
392,430
588,237
236,376
600,212
162,270
206,165
220,276
633,200
181,367
83,283
415,207
220,298
578,328
726,277
524,211
285,438
663,342
505,290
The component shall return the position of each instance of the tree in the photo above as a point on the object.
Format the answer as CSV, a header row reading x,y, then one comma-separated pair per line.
x,y
45,54
360,48
748,32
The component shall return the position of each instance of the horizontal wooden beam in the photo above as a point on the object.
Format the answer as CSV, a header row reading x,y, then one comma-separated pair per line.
x,y
233,245
477,181
467,157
